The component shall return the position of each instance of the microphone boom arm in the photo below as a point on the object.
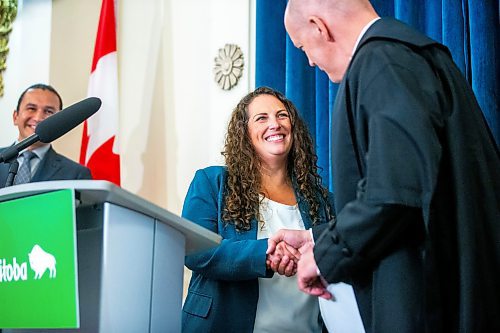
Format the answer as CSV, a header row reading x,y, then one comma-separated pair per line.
x,y
11,153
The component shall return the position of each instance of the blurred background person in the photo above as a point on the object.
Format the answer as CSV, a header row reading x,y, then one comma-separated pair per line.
x,y
39,162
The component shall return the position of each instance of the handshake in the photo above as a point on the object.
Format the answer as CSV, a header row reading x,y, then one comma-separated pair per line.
x,y
290,252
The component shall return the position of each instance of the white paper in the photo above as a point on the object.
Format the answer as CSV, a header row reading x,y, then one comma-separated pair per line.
x,y
341,314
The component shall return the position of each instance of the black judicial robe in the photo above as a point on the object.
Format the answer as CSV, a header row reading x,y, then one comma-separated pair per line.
x,y
417,190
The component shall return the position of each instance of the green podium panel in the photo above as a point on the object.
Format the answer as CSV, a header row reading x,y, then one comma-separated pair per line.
x,y
38,271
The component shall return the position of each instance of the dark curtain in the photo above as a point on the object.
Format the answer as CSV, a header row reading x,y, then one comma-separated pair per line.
x,y
469,28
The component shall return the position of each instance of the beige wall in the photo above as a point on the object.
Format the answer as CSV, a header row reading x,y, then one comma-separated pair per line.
x,y
73,30
28,59
172,114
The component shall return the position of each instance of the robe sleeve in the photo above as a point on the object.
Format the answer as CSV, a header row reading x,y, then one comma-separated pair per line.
x,y
397,124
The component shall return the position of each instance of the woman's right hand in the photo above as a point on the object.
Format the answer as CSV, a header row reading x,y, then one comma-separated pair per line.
x,y
283,259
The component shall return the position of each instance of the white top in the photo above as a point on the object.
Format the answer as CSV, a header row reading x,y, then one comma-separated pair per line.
x,y
282,307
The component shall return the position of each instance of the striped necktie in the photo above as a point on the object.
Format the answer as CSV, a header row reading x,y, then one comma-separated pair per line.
x,y
24,173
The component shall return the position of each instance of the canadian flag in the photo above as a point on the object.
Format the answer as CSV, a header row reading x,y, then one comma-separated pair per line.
x,y
99,150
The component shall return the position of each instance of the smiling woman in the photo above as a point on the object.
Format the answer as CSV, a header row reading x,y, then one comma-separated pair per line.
x,y
270,182
269,128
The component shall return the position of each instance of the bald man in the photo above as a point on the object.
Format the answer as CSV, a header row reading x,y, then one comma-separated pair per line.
x,y
416,177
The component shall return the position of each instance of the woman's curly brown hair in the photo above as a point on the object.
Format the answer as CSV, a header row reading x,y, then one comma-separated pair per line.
x,y
243,165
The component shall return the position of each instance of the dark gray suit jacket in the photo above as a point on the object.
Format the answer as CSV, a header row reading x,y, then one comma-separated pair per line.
x,y
53,166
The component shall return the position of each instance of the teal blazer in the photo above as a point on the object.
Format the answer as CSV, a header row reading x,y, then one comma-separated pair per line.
x,y
223,291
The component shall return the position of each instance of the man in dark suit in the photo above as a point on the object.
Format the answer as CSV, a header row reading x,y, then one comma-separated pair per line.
x,y
36,103
416,177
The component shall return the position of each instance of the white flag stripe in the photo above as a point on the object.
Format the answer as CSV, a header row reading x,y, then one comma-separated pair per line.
x,y
103,125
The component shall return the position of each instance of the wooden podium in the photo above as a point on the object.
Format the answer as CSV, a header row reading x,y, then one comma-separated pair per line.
x,y
130,257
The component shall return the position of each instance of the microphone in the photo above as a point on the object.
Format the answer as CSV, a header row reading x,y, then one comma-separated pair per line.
x,y
65,120
55,126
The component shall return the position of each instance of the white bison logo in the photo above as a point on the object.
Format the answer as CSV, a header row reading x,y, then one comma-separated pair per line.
x,y
40,261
